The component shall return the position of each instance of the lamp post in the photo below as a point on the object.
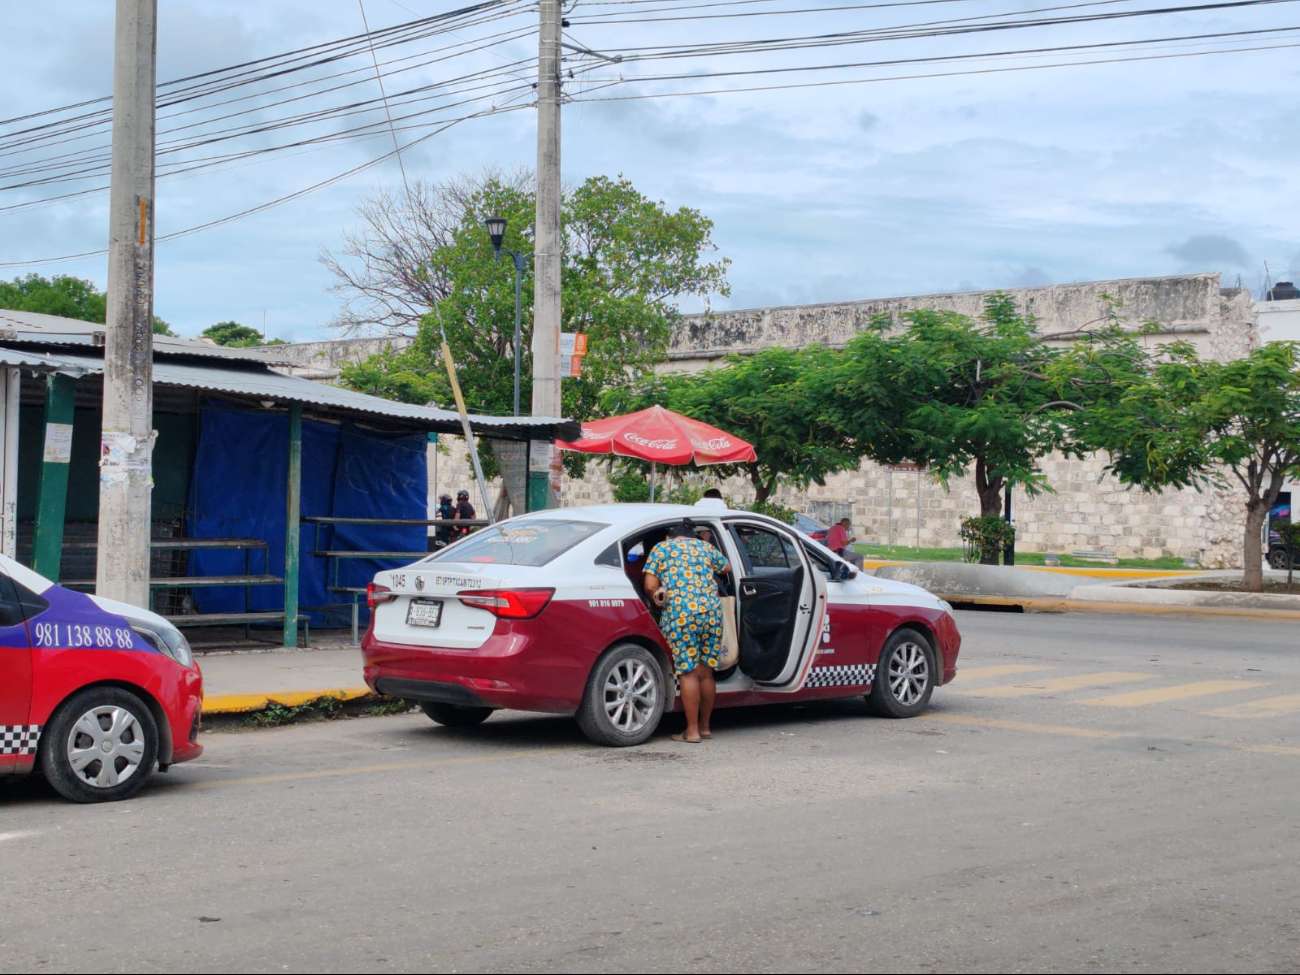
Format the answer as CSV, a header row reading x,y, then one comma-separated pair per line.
x,y
496,228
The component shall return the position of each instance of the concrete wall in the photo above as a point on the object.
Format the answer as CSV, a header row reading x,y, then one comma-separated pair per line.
x,y
1279,321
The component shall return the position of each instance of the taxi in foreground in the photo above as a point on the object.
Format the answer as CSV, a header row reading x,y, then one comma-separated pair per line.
x,y
547,612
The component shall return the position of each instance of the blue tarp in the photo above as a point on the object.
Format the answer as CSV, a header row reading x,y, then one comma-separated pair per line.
x,y
239,490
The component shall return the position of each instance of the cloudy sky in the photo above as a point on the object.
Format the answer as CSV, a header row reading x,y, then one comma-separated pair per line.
x,y
891,186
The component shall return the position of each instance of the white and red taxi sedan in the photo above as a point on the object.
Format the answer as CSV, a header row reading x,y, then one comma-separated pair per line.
x,y
546,612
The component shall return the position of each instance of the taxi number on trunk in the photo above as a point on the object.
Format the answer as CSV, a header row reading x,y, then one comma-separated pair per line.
x,y
424,612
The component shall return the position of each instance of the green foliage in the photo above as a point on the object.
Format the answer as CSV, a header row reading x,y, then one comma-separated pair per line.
x,y
236,336
276,714
952,393
626,258
985,538
765,398
1182,421
631,482
60,295
65,296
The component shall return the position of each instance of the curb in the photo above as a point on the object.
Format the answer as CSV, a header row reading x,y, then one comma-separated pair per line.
x,y
1053,605
241,703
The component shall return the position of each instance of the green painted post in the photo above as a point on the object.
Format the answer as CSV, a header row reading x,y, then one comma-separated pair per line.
x,y
293,528
52,494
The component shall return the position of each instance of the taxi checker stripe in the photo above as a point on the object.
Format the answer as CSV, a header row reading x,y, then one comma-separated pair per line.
x,y
846,675
19,739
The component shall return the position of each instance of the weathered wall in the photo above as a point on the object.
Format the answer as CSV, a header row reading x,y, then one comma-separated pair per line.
x,y
322,360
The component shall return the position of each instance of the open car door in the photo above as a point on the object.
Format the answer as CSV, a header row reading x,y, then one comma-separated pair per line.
x,y
781,602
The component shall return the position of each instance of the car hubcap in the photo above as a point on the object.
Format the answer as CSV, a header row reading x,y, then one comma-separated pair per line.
x,y
909,673
106,746
631,693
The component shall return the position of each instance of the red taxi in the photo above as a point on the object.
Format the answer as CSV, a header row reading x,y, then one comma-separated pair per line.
x,y
547,612
93,693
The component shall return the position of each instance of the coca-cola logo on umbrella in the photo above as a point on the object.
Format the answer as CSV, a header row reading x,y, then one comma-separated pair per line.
x,y
717,443
651,444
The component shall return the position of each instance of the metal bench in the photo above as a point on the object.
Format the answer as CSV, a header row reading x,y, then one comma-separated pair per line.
x,y
247,619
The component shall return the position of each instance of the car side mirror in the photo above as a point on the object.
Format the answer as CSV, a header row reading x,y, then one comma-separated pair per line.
x,y
843,572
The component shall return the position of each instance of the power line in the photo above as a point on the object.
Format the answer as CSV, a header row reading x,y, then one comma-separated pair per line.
x,y
176,235
915,77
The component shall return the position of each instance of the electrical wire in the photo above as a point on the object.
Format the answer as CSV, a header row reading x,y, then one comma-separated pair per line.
x,y
915,77
270,204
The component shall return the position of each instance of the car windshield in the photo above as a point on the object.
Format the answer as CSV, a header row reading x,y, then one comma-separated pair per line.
x,y
520,542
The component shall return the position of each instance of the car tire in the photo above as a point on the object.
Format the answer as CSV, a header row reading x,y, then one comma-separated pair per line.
x,y
905,676
455,715
625,697
100,746
1277,558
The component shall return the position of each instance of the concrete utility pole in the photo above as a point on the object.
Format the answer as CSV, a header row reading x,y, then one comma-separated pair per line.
x,y
127,440
547,464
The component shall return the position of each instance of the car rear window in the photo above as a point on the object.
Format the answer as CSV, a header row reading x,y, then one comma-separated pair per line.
x,y
520,542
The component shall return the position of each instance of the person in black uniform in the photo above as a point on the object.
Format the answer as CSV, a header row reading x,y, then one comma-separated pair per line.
x,y
446,511
464,510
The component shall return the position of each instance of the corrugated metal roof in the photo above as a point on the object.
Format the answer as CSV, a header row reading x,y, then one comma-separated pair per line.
x,y
18,359
33,327
260,383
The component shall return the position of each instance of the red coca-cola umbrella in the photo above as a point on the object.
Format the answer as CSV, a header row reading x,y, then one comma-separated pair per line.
x,y
661,437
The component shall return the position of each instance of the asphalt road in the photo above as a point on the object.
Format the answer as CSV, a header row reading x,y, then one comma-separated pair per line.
x,y
1093,793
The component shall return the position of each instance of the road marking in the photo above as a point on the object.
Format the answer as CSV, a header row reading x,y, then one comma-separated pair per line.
x,y
331,773
1060,684
1267,708
1179,692
1000,670
1104,734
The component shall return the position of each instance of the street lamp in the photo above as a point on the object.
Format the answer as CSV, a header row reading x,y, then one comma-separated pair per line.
x,y
496,228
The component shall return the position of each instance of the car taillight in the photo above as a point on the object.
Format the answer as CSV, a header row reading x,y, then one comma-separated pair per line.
x,y
508,604
377,594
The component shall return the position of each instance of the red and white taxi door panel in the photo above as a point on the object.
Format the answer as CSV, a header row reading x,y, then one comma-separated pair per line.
x,y
782,604
17,735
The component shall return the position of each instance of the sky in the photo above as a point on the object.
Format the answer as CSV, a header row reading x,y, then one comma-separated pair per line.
x,y
889,186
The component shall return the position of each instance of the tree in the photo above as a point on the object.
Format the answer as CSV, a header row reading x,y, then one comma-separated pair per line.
x,y
65,296
1184,421
61,295
953,393
626,259
764,398
236,336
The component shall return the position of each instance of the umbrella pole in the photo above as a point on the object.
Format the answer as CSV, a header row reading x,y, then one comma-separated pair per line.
x,y
653,469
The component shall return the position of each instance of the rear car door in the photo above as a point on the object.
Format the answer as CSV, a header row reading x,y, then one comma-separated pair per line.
x,y
17,736
781,604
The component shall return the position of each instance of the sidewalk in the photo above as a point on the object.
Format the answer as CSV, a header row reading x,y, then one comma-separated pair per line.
x,y
248,680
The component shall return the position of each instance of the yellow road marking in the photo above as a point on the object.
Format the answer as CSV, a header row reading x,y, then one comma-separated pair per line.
x,y
1267,708
1102,733
999,670
362,770
1179,692
1060,684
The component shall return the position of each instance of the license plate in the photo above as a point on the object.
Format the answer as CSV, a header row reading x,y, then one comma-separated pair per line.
x,y
424,612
